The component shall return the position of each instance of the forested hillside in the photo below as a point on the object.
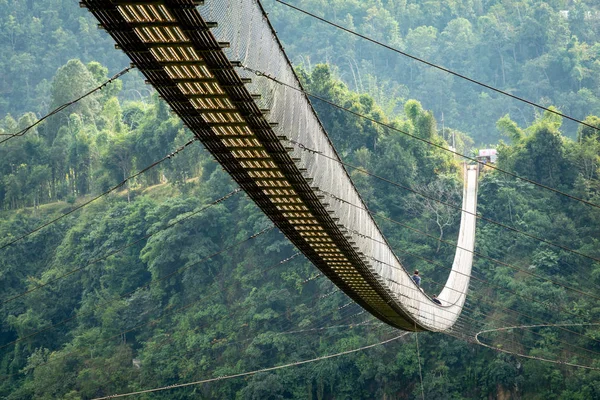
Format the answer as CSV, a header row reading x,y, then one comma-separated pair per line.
x,y
544,51
176,277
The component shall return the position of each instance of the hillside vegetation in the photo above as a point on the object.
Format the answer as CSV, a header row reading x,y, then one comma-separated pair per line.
x,y
544,51
161,282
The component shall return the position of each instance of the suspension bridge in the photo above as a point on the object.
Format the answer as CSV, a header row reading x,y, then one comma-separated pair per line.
x,y
220,67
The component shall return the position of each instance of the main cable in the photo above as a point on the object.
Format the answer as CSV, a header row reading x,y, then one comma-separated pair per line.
x,y
391,127
112,189
494,318
189,352
483,281
470,337
362,170
220,378
518,313
536,358
449,71
471,340
487,301
65,105
187,306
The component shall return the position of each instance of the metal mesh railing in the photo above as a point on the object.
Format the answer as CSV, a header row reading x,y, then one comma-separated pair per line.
x,y
253,42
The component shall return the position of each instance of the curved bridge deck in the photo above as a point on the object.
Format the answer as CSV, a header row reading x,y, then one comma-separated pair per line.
x,y
245,123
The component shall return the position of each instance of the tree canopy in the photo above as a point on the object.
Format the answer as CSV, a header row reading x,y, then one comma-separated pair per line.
x,y
142,289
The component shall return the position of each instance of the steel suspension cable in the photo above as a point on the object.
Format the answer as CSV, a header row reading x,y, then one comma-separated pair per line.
x,y
473,331
293,364
536,358
449,71
458,272
486,300
282,261
65,105
493,318
471,338
430,261
175,386
485,282
488,316
393,128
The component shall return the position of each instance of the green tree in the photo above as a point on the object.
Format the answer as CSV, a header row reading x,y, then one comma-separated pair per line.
x,y
70,82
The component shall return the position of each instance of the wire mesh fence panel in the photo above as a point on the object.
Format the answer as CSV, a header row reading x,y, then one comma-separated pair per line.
x,y
243,23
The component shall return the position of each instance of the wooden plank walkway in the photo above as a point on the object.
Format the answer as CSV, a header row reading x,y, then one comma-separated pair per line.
x,y
173,46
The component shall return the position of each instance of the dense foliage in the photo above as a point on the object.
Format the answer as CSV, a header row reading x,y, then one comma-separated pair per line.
x,y
544,51
188,296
